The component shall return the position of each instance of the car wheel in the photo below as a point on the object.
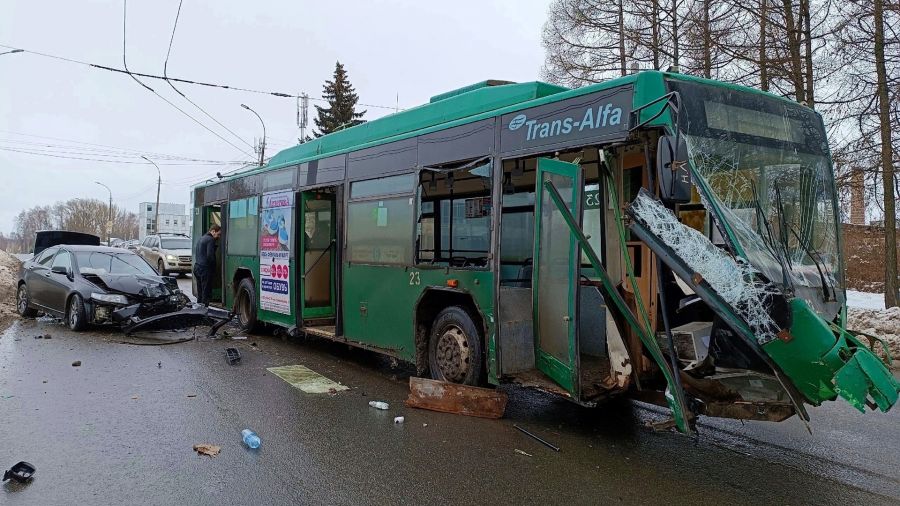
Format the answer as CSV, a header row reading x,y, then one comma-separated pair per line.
x,y
75,316
22,303
161,268
454,348
245,305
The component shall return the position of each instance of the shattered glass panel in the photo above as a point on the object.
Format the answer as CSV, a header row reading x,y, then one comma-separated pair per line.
x,y
733,279
764,164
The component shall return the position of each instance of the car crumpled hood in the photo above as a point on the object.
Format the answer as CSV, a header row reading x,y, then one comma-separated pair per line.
x,y
133,284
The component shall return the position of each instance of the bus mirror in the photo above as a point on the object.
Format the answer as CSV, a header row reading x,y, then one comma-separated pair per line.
x,y
672,170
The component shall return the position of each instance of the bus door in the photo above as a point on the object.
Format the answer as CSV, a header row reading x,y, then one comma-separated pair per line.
x,y
317,260
212,215
555,274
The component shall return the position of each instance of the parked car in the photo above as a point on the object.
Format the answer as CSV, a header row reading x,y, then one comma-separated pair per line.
x,y
94,284
167,252
132,245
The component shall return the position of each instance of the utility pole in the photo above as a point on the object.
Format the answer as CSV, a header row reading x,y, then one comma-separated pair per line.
x,y
158,184
262,144
303,116
108,213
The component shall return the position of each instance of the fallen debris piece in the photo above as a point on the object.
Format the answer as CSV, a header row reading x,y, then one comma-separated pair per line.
x,y
520,452
76,363
455,398
399,419
48,336
379,405
307,380
192,395
159,365
135,397
207,449
238,338
232,355
21,472
538,439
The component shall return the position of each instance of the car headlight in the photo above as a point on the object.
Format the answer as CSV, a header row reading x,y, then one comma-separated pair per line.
x,y
171,258
112,298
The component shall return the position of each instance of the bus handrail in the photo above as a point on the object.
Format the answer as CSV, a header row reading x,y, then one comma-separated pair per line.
x,y
322,254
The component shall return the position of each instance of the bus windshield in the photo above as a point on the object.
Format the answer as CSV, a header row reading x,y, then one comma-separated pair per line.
x,y
764,164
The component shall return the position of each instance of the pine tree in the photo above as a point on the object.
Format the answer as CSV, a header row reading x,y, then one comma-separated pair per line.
x,y
341,111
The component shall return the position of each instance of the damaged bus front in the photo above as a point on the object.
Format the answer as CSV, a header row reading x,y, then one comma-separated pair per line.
x,y
745,230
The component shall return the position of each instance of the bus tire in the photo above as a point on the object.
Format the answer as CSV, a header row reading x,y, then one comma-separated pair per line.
x,y
245,305
455,353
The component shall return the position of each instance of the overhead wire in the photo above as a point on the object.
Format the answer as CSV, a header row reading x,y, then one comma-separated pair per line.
x,y
116,148
169,82
182,111
54,155
91,151
186,81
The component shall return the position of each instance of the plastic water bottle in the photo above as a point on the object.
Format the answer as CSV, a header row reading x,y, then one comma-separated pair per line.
x,y
250,438
379,404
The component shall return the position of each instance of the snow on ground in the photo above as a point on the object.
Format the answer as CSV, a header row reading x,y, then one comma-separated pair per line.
x,y
866,313
9,272
865,300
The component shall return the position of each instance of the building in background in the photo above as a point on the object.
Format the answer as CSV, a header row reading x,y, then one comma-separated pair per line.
x,y
172,219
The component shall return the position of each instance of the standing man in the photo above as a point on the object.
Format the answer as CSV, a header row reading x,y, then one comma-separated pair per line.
x,y
205,263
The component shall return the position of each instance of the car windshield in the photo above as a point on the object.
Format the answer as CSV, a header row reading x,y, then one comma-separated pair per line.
x,y
175,242
101,262
764,164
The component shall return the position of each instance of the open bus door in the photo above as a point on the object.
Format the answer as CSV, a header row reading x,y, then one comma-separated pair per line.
x,y
212,215
318,254
555,275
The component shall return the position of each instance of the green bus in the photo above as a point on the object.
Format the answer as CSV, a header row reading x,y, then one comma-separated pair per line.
x,y
660,236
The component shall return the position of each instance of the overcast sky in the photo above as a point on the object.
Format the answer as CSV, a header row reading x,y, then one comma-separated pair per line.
x,y
408,48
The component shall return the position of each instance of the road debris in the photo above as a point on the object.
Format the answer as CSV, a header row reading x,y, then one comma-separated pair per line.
x,y
399,419
307,380
135,397
21,472
455,398
191,395
207,449
520,452
379,405
76,363
232,355
250,438
538,439
159,365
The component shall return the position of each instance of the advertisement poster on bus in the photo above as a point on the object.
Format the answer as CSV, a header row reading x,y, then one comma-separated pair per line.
x,y
275,252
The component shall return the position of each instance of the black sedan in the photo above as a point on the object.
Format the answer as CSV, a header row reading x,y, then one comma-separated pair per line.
x,y
94,284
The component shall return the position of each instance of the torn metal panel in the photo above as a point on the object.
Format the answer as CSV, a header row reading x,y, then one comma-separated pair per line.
x,y
456,398
191,316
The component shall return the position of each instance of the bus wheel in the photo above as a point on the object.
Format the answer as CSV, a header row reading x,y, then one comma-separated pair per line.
x,y
245,305
454,348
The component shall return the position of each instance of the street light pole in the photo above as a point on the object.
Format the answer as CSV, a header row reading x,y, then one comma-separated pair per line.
x,y
13,51
262,148
108,214
158,184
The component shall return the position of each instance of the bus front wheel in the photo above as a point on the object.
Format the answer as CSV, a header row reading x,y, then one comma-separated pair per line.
x,y
245,305
454,348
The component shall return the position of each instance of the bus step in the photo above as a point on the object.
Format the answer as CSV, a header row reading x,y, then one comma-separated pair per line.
x,y
322,331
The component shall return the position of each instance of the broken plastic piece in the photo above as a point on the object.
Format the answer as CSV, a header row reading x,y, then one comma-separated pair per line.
x,y
232,355
21,472
399,419
379,404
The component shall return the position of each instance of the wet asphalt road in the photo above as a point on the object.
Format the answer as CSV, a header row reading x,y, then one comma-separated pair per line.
x,y
119,429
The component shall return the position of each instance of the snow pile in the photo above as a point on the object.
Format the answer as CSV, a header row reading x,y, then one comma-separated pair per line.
x,y
884,323
732,278
9,273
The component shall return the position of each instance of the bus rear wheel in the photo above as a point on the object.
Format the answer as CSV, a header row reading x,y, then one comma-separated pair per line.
x,y
454,348
245,305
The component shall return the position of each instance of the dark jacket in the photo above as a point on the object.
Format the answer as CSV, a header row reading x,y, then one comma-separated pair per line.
x,y
205,251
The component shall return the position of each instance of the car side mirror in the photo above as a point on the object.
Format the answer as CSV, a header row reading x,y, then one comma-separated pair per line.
x,y
154,249
60,269
672,170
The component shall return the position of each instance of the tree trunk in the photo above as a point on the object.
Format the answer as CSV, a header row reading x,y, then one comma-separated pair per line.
x,y
793,41
622,61
807,42
675,55
887,163
654,19
707,42
763,63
